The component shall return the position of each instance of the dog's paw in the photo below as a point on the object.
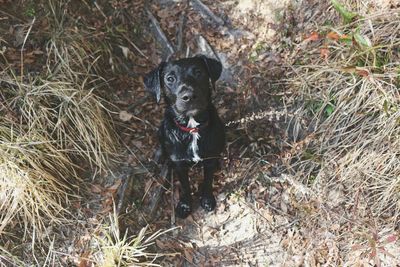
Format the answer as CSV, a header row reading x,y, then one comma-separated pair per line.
x,y
183,209
208,202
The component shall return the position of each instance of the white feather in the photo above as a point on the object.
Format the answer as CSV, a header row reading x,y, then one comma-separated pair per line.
x,y
192,123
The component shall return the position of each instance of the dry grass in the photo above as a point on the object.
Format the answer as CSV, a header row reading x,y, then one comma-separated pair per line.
x,y
118,249
47,126
54,128
33,178
347,80
354,98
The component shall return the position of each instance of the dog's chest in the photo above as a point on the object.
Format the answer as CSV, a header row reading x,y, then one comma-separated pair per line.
x,y
185,146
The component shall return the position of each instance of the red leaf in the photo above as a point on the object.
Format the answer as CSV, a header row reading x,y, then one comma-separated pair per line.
x,y
372,253
83,261
188,255
362,72
324,53
96,188
333,36
314,36
115,186
357,247
391,239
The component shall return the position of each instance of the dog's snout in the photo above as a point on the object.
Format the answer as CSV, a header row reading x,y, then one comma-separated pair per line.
x,y
188,96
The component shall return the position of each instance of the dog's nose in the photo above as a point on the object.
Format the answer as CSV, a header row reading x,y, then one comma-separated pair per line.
x,y
188,96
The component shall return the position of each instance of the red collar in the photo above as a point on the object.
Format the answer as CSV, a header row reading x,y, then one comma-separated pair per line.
x,y
189,129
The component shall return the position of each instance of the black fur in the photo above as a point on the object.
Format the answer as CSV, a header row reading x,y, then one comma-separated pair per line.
x,y
187,88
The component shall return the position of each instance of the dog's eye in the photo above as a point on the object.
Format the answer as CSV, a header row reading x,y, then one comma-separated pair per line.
x,y
170,79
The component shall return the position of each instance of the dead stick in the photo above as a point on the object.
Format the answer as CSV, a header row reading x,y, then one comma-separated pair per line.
x,y
22,48
160,33
182,24
206,12
134,46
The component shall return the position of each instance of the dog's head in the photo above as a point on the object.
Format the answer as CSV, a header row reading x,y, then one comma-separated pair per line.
x,y
186,83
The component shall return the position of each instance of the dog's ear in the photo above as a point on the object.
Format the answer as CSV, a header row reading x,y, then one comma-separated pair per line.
x,y
152,81
214,67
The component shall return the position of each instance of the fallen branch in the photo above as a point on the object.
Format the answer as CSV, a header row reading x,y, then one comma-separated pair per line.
x,y
206,48
182,24
160,36
205,12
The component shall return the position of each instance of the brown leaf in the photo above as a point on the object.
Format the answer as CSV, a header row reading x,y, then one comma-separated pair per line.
x,y
96,188
356,247
106,210
362,72
391,239
333,36
344,36
188,255
314,36
107,202
161,244
115,186
324,53
125,116
83,261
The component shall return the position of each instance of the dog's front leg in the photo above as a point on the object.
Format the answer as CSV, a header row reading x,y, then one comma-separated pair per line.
x,y
207,199
184,207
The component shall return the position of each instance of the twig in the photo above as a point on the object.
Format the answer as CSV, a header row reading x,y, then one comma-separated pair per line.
x,y
165,174
23,46
182,24
134,46
11,15
160,34
101,11
173,219
206,48
206,12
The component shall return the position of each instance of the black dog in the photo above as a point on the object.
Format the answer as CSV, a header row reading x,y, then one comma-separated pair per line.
x,y
191,131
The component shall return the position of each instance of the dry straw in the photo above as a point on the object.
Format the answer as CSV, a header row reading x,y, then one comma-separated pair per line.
x,y
53,129
120,249
352,89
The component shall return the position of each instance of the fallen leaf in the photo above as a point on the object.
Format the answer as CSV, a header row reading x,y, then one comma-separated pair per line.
x,y
125,115
107,202
161,245
324,53
314,36
83,261
346,39
333,36
96,188
362,72
188,255
106,210
391,238
356,247
115,186
125,50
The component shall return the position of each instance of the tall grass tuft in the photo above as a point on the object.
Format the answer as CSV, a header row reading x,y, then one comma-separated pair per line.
x,y
118,249
54,128
349,83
